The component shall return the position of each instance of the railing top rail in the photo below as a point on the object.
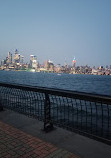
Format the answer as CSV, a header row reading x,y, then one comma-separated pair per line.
x,y
64,93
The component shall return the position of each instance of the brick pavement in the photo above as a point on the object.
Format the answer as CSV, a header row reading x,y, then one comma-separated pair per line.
x,y
15,143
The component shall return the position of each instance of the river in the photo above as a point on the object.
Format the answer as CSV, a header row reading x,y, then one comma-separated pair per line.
x,y
76,82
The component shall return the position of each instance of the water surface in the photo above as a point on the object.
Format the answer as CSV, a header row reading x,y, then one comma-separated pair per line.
x,y
75,82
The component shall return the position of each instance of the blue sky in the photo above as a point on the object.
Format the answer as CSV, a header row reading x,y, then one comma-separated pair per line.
x,y
57,30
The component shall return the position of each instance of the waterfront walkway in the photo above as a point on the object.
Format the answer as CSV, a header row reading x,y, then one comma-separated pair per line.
x,y
21,136
16,143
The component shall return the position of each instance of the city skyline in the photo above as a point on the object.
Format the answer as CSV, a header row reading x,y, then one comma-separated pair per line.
x,y
17,57
15,62
57,30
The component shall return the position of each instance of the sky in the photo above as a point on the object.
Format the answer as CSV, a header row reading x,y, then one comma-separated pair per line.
x,y
58,30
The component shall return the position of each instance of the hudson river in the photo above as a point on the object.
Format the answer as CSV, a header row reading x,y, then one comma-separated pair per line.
x,y
75,82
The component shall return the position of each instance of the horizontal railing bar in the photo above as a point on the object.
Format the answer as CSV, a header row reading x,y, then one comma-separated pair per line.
x,y
60,92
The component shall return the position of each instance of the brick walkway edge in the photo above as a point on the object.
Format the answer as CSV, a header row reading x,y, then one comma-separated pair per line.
x,y
15,143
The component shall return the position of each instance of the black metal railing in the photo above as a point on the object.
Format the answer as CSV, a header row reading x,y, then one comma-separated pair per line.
x,y
83,113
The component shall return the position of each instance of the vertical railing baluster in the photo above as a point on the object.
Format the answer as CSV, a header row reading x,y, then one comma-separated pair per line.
x,y
48,125
29,100
96,117
73,110
102,118
34,104
108,121
61,109
81,114
1,106
41,105
68,111
86,114
10,97
37,104
64,111
91,116
57,110
77,112
24,101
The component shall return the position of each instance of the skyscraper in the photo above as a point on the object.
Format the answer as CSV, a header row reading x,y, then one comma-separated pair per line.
x,y
16,58
9,59
33,61
74,63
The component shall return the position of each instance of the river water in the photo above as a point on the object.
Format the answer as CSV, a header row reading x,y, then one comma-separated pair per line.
x,y
76,82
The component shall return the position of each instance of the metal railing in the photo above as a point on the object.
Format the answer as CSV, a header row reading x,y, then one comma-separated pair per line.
x,y
84,113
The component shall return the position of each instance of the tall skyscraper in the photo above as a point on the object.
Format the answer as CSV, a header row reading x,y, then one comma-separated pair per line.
x,y
33,61
9,58
16,58
74,63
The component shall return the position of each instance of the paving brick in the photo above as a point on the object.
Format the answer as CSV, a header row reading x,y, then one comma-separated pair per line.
x,y
16,156
18,144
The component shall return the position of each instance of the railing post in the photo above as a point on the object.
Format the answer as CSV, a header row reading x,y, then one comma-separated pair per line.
x,y
1,106
48,124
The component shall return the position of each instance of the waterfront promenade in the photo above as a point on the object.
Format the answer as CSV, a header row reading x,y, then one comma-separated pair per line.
x,y
21,136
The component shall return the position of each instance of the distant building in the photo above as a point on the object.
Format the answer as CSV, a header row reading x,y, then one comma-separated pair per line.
x,y
57,69
94,71
101,68
2,63
73,70
22,60
51,66
107,67
33,62
48,65
74,63
9,58
16,58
